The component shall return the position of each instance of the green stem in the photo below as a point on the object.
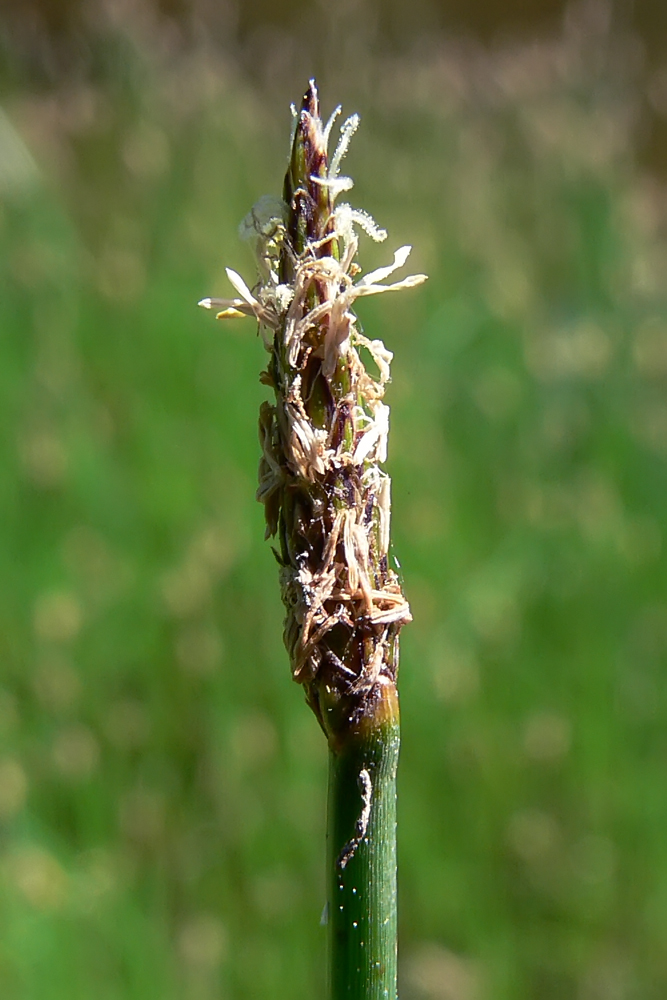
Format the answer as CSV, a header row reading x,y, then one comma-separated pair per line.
x,y
361,847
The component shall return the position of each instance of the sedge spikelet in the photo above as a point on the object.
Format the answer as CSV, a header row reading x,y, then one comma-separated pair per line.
x,y
324,439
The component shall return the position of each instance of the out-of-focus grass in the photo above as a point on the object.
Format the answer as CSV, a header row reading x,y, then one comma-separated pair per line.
x,y
161,783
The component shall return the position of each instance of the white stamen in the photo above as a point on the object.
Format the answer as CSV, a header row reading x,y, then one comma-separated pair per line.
x,y
241,287
381,356
410,282
373,277
375,437
401,613
230,308
384,509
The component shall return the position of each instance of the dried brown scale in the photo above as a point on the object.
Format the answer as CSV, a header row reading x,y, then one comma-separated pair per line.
x,y
326,498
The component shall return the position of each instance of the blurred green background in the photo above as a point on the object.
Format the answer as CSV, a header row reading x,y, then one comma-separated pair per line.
x,y
162,785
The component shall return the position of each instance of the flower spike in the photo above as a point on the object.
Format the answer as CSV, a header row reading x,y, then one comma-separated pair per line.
x,y
327,503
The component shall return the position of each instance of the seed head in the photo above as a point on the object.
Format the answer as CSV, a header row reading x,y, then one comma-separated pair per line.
x,y
324,439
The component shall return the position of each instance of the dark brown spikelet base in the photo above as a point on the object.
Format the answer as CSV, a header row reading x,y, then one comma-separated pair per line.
x,y
327,502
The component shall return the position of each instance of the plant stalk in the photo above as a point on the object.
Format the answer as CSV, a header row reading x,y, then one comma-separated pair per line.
x,y
361,864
